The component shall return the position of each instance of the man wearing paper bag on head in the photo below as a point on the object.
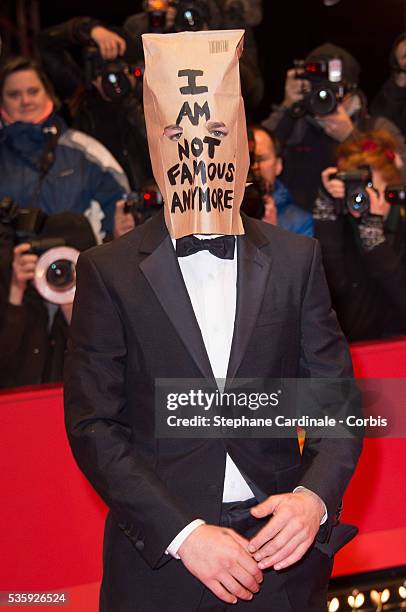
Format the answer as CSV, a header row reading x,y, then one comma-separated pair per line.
x,y
201,292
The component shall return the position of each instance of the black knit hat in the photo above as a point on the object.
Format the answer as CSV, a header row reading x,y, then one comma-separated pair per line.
x,y
351,68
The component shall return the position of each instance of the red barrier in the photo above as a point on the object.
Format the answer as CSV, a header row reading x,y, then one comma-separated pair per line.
x,y
51,521
375,499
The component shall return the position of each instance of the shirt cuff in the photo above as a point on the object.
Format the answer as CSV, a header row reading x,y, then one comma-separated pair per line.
x,y
181,537
325,515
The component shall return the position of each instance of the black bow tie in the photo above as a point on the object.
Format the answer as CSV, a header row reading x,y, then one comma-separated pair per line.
x,y
222,247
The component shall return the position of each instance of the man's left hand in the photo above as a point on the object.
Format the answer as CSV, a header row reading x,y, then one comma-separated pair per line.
x,y
291,530
337,125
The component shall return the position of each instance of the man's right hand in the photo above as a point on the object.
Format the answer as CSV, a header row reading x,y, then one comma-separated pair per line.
x,y
110,44
295,89
23,272
218,557
334,187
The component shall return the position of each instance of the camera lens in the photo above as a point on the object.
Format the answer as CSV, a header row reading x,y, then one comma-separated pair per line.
x,y
323,101
189,18
358,201
61,275
115,83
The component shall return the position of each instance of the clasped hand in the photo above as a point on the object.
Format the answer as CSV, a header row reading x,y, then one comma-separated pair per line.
x,y
291,530
231,566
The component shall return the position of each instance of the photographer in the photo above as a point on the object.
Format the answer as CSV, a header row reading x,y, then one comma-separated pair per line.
x,y
270,199
309,139
33,331
391,100
196,15
97,72
45,165
363,237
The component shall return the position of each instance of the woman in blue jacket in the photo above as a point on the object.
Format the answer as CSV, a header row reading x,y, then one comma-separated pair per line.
x,y
43,164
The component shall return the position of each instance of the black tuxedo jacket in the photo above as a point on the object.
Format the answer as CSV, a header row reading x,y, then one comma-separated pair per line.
x,y
133,322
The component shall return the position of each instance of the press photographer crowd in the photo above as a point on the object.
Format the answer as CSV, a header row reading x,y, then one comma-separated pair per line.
x,y
75,171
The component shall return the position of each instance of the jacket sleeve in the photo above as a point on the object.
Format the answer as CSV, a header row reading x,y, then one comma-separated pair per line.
x,y
98,430
387,270
328,462
56,45
107,183
381,263
103,177
330,234
305,226
12,331
6,260
24,342
281,123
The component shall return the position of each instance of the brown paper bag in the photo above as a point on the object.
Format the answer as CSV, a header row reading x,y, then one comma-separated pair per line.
x,y
196,129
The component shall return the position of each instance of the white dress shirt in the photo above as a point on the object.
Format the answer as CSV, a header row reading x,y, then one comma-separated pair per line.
x,y
211,283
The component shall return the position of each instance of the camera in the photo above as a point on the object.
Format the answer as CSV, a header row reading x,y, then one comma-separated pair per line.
x,y
396,195
114,74
356,197
25,222
55,271
157,10
253,203
327,87
191,16
143,204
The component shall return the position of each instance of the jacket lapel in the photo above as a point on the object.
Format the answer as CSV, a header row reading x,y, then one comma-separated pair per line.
x,y
253,269
163,273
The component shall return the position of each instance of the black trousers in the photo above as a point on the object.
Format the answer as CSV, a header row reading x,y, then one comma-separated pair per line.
x,y
130,585
300,588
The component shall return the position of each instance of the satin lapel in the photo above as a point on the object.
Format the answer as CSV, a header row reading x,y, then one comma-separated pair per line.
x,y
163,273
252,275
